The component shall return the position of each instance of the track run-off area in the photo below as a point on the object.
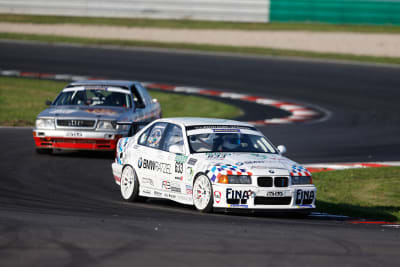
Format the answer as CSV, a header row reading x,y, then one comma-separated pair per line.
x,y
65,210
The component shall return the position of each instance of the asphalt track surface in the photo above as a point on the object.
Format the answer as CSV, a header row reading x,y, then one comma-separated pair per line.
x,y
65,210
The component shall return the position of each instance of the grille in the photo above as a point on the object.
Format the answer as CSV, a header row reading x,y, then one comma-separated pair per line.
x,y
281,182
272,200
264,181
76,123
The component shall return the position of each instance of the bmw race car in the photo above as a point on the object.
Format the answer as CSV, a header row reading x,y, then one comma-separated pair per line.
x,y
211,164
84,115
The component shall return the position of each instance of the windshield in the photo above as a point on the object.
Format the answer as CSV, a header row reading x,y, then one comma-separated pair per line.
x,y
94,97
230,142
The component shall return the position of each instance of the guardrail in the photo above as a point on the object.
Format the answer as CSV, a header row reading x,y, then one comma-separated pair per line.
x,y
223,10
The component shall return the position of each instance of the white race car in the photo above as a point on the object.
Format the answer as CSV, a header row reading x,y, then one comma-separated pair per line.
x,y
211,164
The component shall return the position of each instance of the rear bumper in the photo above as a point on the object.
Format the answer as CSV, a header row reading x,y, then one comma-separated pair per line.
x,y
76,140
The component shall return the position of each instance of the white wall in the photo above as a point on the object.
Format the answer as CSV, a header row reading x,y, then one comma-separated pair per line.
x,y
223,10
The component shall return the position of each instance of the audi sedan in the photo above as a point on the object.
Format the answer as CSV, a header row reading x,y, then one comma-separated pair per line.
x,y
211,164
84,115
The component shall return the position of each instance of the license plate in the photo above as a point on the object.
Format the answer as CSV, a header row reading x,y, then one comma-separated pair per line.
x,y
285,193
74,134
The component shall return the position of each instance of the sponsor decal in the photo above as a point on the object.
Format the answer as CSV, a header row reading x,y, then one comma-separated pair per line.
x,y
192,161
238,206
250,162
166,185
259,156
154,165
189,173
217,155
148,181
302,195
226,130
140,162
101,111
178,167
157,193
217,197
189,190
181,158
305,206
171,186
271,171
167,195
238,194
180,178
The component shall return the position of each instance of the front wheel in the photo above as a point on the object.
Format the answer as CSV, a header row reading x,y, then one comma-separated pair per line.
x,y
129,184
203,194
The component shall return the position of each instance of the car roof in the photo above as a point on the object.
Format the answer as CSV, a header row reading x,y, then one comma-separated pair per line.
x,y
104,83
197,121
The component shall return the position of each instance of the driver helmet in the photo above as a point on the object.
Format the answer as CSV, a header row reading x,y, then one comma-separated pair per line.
x,y
231,141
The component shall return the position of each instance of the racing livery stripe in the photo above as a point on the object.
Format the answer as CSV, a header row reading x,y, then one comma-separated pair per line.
x,y
298,113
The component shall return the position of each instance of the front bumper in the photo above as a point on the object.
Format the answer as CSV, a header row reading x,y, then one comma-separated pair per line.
x,y
299,197
77,140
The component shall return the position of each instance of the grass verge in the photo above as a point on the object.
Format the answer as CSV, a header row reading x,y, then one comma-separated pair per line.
x,y
22,99
372,193
197,47
197,24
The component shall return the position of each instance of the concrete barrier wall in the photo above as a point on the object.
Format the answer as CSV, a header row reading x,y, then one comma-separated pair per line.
x,y
336,11
223,10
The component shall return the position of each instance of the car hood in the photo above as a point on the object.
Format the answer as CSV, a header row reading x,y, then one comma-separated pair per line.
x,y
257,163
111,113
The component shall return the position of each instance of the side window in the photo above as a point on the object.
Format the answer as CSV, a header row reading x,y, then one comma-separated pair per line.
x,y
156,134
137,98
143,137
173,137
145,94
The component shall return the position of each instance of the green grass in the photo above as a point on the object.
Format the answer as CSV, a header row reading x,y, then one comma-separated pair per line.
x,y
22,99
198,47
372,193
195,24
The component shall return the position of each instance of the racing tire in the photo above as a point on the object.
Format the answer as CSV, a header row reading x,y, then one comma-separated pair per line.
x,y
129,184
44,151
203,198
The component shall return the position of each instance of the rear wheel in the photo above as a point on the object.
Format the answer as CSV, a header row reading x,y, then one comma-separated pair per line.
x,y
203,194
129,184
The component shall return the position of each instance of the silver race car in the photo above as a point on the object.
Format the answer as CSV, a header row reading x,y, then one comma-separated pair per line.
x,y
211,164
85,115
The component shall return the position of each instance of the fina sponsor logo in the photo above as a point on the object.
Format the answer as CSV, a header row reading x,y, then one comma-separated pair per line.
x,y
238,194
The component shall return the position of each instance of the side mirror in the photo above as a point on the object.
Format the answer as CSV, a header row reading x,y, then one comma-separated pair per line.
x,y
48,102
176,149
282,149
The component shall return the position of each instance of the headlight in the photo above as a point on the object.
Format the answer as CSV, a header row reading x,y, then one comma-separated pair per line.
x,y
106,125
123,127
45,124
234,179
301,180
